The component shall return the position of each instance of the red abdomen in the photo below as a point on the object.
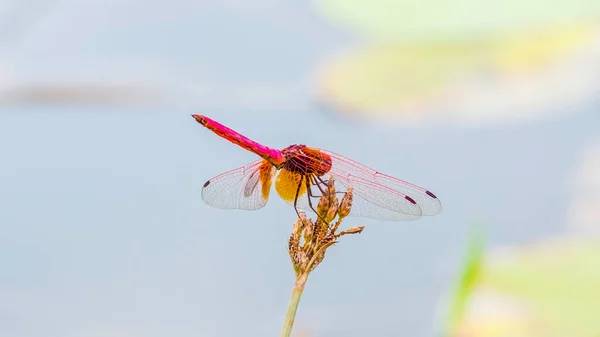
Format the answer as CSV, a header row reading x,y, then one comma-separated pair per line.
x,y
273,156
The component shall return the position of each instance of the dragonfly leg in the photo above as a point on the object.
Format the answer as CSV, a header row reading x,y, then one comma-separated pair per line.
x,y
319,185
324,182
310,196
296,199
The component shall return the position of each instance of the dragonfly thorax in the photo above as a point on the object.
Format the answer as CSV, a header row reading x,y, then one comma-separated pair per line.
x,y
305,160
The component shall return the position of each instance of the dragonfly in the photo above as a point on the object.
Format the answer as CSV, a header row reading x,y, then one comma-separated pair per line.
x,y
300,173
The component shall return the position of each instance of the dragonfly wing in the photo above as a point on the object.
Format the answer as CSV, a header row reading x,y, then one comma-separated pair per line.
x,y
369,200
246,187
352,173
376,201
429,203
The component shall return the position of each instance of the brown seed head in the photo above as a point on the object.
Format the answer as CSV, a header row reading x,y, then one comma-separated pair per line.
x,y
310,240
332,211
320,231
354,230
346,204
308,232
330,190
323,206
294,241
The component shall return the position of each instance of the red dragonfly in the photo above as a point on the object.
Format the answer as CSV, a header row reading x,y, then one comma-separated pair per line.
x,y
300,171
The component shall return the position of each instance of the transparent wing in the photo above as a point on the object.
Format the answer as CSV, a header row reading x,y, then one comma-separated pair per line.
x,y
381,190
376,201
246,187
383,206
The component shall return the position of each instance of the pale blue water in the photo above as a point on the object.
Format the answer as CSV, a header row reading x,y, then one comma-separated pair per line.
x,y
103,225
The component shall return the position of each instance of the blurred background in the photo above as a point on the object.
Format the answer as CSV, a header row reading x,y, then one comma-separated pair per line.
x,y
493,106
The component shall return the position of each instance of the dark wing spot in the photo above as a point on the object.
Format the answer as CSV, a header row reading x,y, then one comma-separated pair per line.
x,y
410,199
431,194
206,183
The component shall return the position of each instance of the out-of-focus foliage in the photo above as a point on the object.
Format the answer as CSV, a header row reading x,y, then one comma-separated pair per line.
x,y
483,80
465,62
466,282
405,20
549,289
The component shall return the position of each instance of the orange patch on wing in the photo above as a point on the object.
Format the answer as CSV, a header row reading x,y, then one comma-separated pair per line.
x,y
287,183
266,177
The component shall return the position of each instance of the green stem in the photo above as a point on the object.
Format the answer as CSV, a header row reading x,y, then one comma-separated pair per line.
x,y
293,306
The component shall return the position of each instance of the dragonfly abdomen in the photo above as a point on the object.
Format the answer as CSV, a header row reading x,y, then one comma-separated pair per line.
x,y
273,156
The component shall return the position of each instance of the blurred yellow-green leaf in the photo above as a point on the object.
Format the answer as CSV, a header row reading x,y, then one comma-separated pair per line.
x,y
549,289
467,280
436,19
417,80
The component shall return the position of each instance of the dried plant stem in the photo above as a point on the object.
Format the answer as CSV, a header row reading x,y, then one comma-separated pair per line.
x,y
301,278
317,236
293,306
